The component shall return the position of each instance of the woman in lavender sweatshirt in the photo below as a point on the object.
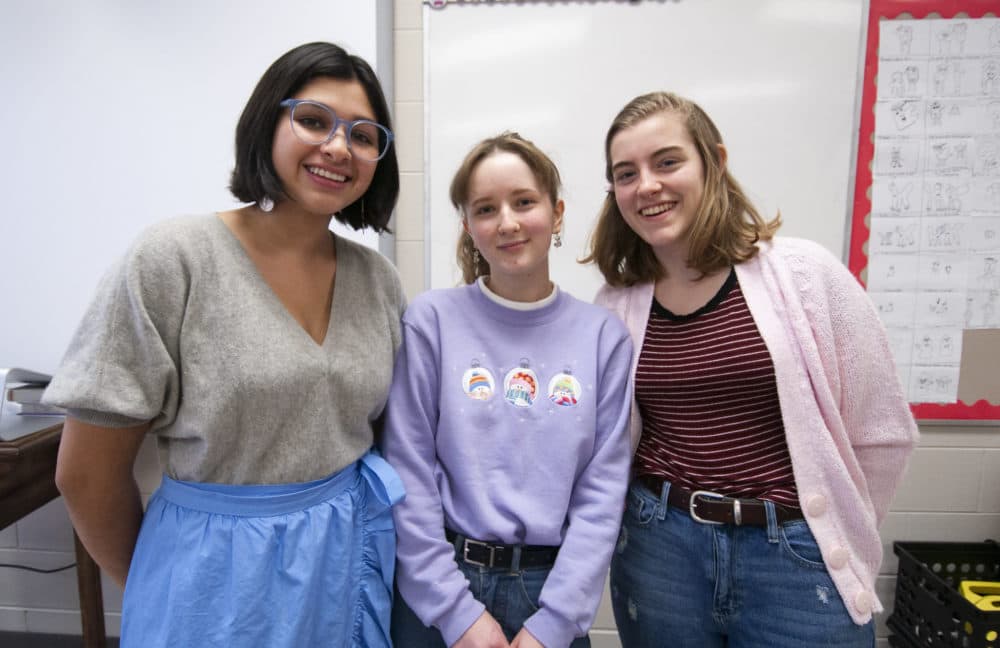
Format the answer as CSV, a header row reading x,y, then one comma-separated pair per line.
x,y
507,421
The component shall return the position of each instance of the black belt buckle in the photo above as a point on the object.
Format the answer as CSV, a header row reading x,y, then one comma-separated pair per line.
x,y
476,543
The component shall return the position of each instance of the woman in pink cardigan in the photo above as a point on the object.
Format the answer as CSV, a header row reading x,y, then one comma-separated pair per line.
x,y
770,427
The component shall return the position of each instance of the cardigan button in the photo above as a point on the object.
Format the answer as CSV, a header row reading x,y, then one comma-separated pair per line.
x,y
838,558
864,602
816,506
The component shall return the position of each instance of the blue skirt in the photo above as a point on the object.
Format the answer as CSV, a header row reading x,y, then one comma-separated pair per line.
x,y
307,564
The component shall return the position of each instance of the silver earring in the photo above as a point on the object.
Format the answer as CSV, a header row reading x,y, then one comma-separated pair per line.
x,y
475,259
558,240
265,204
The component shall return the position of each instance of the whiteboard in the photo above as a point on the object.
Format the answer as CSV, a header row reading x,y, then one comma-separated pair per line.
x,y
118,114
779,78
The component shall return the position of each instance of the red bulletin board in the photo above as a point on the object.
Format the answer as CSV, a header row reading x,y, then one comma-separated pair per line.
x,y
857,256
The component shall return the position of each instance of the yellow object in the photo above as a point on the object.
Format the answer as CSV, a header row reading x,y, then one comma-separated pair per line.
x,y
985,595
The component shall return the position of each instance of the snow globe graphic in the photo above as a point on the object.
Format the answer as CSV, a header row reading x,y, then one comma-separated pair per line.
x,y
564,389
520,386
477,382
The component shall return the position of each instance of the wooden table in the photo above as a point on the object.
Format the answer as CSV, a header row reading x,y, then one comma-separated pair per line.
x,y
28,449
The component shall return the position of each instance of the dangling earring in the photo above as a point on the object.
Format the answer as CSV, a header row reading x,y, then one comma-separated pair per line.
x,y
475,259
557,240
265,204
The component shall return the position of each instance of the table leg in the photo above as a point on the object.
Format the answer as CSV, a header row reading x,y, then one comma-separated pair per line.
x,y
88,577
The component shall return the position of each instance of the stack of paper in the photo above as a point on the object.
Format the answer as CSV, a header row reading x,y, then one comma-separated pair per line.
x,y
25,388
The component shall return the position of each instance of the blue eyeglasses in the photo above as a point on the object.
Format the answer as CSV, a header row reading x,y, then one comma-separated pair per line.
x,y
315,123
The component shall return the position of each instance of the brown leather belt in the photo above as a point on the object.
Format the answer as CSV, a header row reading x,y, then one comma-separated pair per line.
x,y
488,554
712,508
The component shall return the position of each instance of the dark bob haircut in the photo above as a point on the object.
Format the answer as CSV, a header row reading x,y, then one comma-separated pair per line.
x,y
254,176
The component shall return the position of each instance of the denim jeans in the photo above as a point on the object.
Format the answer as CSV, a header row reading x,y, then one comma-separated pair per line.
x,y
679,583
510,597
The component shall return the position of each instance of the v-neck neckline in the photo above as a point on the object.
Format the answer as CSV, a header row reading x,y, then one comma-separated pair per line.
x,y
255,272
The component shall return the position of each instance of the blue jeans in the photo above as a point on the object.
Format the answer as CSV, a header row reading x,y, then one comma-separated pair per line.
x,y
678,583
509,596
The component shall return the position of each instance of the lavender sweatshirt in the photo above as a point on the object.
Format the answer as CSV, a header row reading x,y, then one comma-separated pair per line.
x,y
509,426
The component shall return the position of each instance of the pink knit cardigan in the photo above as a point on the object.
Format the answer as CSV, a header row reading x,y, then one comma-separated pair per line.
x,y
848,425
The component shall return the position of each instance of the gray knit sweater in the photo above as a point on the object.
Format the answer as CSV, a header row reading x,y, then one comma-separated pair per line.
x,y
184,332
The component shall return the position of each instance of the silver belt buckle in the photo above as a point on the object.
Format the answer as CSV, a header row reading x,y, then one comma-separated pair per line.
x,y
471,561
692,503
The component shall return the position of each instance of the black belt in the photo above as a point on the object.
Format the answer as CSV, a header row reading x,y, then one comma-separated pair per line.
x,y
488,554
712,508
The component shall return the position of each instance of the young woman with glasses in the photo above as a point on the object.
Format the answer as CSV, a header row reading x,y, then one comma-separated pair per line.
x,y
257,347
507,422
771,427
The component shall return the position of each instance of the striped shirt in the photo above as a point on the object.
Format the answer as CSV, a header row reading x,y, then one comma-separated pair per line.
x,y
706,390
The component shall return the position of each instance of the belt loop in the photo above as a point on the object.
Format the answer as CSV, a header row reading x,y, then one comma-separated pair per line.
x,y
772,521
515,559
459,543
661,512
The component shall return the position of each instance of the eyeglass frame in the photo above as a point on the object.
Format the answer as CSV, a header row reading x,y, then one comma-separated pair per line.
x,y
349,124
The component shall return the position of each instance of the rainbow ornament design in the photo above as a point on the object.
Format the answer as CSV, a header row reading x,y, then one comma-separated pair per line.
x,y
478,383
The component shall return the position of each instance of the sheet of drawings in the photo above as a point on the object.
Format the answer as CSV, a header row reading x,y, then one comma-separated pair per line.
x,y
934,247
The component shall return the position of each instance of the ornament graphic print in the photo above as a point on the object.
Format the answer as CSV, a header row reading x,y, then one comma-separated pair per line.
x,y
564,389
477,382
520,386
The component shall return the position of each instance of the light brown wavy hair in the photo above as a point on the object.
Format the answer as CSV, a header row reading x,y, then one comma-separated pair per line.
x,y
726,225
541,166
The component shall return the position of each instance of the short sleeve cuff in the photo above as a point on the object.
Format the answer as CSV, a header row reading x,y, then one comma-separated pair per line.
x,y
104,419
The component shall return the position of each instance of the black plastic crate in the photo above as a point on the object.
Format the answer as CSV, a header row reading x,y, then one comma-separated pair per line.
x,y
929,610
899,641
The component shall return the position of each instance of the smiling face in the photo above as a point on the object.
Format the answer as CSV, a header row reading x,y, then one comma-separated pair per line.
x,y
324,178
659,180
511,221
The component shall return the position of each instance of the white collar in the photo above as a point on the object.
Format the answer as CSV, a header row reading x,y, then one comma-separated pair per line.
x,y
516,305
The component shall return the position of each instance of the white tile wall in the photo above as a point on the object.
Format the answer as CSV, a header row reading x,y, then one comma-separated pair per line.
x,y
48,528
8,537
604,639
408,74
13,619
955,486
408,14
409,122
19,588
411,268
410,215
989,493
951,491
66,622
